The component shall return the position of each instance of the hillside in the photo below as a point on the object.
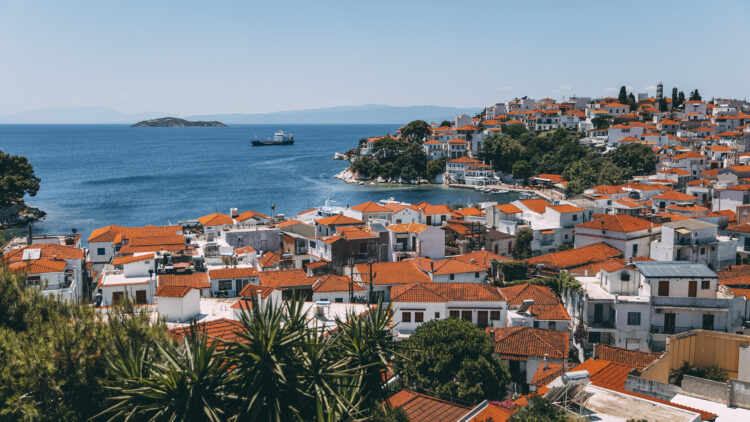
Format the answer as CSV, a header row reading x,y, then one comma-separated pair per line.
x,y
175,122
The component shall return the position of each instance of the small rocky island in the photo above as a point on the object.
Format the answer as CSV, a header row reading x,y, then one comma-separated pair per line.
x,y
175,122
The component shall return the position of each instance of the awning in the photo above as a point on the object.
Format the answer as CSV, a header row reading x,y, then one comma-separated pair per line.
x,y
683,231
548,232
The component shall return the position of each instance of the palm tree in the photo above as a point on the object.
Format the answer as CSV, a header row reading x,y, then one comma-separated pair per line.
x,y
183,381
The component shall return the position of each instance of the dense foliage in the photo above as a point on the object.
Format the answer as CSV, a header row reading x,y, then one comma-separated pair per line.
x,y
416,131
61,361
17,179
522,244
452,358
539,409
513,270
399,158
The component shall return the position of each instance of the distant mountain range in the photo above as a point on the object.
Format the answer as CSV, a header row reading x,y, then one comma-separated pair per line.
x,y
362,114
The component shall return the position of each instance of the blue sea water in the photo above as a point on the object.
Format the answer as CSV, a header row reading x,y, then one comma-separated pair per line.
x,y
95,175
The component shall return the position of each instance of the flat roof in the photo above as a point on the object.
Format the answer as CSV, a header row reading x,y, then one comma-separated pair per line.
x,y
674,269
608,405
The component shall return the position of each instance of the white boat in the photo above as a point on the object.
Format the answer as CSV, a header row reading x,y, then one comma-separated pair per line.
x,y
502,191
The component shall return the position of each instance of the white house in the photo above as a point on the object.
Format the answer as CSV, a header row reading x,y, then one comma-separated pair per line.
x,y
629,234
336,289
694,241
417,303
229,281
178,303
414,240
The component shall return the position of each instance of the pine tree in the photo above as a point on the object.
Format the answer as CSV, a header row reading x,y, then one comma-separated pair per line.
x,y
623,97
674,98
695,95
680,100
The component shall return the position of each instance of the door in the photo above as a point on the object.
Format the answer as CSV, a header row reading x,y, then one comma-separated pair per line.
x,y
708,321
669,322
664,288
598,312
238,286
482,319
140,296
692,288
428,221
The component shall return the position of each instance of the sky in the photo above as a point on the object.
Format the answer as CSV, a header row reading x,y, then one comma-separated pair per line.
x,y
186,57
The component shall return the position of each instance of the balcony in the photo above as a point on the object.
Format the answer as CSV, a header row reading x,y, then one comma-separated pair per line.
x,y
659,329
601,325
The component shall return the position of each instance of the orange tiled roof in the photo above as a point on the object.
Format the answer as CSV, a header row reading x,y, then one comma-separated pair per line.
x,y
622,223
224,273
170,290
337,220
108,233
370,206
565,208
288,223
609,265
445,292
481,258
132,258
576,257
542,376
408,228
633,358
250,214
535,205
47,251
675,196
509,208
157,240
541,295
430,209
355,233
397,272
520,343
37,266
251,290
244,250
221,329
269,259
285,279
455,266
421,408
334,283
194,280
216,219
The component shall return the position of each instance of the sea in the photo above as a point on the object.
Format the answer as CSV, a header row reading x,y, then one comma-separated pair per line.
x,y
96,175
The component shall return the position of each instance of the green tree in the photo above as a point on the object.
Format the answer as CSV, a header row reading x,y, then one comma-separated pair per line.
x,y
539,409
416,131
513,270
663,105
601,122
522,170
366,167
675,98
17,179
502,151
680,99
622,98
446,123
610,174
453,358
514,130
631,102
695,95
435,168
635,158
522,244
581,175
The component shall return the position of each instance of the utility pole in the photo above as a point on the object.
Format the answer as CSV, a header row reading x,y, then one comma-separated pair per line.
x,y
369,262
350,261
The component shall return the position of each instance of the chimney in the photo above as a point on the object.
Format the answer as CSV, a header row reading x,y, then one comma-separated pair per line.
x,y
596,345
260,297
544,361
29,240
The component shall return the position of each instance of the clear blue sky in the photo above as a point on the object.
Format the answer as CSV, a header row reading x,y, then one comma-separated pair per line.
x,y
187,57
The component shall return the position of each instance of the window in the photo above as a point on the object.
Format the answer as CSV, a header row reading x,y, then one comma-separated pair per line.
x,y
453,314
495,315
140,297
635,250
476,274
634,318
536,324
339,300
117,296
101,251
405,316
362,247
418,316
552,325
466,315
663,287
575,217
705,284
437,315
225,285
703,251
453,276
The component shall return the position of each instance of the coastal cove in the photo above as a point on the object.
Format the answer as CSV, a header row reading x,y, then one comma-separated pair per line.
x,y
95,175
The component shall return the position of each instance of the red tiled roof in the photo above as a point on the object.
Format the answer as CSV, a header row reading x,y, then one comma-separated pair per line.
x,y
481,258
244,250
221,329
565,208
216,219
397,272
338,219
173,291
225,273
515,295
108,233
132,258
509,208
675,196
622,223
370,206
549,312
633,358
536,205
430,209
48,251
576,257
349,233
421,408
445,292
194,280
334,283
285,279
269,259
37,266
251,290
519,343
408,228
542,376
455,266
250,214
609,265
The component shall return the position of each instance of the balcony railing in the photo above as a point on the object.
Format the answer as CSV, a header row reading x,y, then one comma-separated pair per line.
x,y
658,329
602,324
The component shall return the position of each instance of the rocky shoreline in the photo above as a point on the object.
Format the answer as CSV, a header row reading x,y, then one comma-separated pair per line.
x,y
347,176
19,214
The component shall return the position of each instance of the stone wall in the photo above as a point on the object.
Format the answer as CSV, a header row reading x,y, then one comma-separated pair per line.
x,y
706,389
739,394
652,388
